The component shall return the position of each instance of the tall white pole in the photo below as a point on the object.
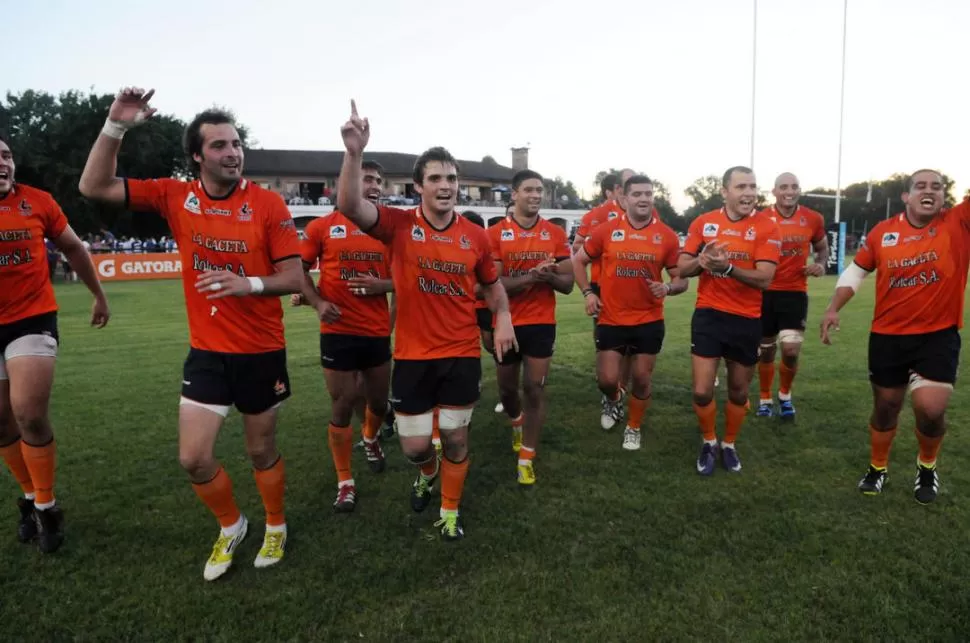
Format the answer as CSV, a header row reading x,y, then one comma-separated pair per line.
x,y
754,77
838,189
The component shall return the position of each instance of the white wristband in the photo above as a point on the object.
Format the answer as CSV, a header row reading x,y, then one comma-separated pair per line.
x,y
255,285
114,129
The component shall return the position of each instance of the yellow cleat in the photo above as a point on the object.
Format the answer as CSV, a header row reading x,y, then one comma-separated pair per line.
x,y
527,474
221,558
516,438
274,542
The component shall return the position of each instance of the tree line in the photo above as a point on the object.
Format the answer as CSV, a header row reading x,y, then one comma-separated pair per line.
x,y
51,135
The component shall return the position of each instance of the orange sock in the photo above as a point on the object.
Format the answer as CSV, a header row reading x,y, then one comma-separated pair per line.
x,y
734,418
707,418
429,467
435,430
452,482
929,448
40,463
372,424
766,378
13,455
879,442
786,378
271,484
217,496
341,440
635,410
526,455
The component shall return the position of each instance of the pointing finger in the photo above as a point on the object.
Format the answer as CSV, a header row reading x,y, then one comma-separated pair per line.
x,y
353,108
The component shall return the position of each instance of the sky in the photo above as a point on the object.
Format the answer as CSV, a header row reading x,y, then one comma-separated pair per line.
x,y
663,87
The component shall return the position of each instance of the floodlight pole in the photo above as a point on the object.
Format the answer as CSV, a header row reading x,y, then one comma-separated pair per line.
x,y
754,78
838,189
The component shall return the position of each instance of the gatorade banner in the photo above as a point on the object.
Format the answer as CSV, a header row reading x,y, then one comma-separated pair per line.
x,y
125,267
836,262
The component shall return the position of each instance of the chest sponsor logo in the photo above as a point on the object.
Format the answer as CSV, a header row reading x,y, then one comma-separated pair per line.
x,y
710,230
508,235
245,213
464,243
611,216
417,234
192,204
338,232
749,234
618,235
25,209
890,239
544,235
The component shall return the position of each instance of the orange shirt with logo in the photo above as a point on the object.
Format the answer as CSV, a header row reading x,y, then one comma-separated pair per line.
x,y
346,252
630,258
799,232
749,240
434,273
246,232
606,211
521,249
921,273
27,216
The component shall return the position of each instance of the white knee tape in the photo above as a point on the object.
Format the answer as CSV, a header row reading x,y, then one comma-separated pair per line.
x,y
452,419
415,426
218,409
791,336
917,381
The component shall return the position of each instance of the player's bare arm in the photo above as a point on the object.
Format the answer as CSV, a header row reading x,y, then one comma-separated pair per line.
x,y
558,274
80,261
578,242
498,302
579,261
350,194
676,286
98,180
515,285
821,250
849,282
689,265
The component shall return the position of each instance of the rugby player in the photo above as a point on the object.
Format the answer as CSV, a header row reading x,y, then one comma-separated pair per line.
x,y
532,256
784,305
920,257
735,250
437,258
633,250
29,344
355,330
239,252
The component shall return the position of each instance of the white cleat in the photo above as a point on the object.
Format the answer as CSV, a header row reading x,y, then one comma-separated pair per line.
x,y
631,439
221,558
500,408
274,544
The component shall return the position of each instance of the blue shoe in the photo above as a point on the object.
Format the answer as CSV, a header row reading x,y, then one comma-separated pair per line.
x,y
786,410
707,460
730,460
765,410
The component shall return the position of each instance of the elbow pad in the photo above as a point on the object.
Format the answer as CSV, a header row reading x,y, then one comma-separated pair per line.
x,y
851,277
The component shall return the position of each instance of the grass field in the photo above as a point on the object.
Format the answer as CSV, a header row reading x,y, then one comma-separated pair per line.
x,y
609,545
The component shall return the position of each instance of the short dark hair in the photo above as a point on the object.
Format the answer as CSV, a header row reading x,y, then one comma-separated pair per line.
x,y
524,175
726,179
192,137
911,181
509,206
474,217
373,165
439,154
608,182
634,180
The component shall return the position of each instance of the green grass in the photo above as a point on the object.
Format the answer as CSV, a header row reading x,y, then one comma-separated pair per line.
x,y
609,545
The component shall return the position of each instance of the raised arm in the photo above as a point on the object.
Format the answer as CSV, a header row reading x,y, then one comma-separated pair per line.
x,y
98,181
350,196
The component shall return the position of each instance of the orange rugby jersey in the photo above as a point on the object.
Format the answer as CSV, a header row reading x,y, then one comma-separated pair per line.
x,y
750,240
921,273
630,256
27,216
434,273
345,252
798,232
606,211
521,249
245,232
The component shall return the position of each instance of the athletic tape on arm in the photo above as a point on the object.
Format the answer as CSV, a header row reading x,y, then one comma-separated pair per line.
x,y
851,277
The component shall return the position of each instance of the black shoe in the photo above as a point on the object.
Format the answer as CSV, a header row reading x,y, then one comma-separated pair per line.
x,y
871,484
421,491
927,484
387,431
49,524
26,528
